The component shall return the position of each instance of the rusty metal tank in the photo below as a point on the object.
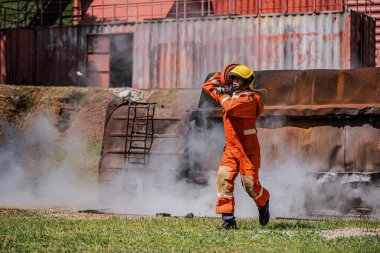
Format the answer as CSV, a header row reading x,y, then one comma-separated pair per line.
x,y
327,120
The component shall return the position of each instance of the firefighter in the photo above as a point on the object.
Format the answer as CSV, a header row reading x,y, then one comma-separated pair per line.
x,y
242,107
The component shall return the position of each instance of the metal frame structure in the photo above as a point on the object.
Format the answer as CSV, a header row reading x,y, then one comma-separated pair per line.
x,y
139,132
28,13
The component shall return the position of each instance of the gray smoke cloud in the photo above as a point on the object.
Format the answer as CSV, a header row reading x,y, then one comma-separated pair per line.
x,y
160,190
292,181
31,176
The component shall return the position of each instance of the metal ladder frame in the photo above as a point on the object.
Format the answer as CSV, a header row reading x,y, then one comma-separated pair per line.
x,y
140,116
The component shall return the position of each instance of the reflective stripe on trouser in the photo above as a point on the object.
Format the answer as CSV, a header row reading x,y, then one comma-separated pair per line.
x,y
233,163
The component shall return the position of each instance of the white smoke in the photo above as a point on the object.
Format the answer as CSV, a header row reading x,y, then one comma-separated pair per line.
x,y
31,176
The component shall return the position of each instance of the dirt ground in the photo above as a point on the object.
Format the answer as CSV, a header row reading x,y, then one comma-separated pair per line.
x,y
79,112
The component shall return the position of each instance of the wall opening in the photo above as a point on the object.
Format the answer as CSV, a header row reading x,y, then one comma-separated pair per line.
x,y
121,60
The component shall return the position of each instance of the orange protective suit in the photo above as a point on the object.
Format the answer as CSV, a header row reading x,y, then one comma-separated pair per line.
x,y
242,150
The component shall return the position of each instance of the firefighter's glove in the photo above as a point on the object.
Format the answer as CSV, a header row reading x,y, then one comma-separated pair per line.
x,y
223,90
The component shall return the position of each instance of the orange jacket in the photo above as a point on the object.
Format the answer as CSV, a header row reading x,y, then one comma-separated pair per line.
x,y
240,113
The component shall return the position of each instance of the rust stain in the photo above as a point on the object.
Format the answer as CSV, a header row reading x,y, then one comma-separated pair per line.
x,y
340,87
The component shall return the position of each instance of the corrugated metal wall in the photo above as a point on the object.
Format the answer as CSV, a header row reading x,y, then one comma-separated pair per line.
x,y
244,7
371,8
130,10
3,50
137,10
180,53
19,56
56,56
176,54
62,52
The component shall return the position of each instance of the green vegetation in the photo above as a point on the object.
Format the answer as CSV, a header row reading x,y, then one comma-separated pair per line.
x,y
15,14
94,148
22,99
76,94
36,231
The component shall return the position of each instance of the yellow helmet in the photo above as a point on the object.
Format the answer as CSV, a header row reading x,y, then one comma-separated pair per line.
x,y
244,72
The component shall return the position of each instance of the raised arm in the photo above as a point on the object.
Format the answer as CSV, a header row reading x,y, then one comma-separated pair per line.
x,y
210,85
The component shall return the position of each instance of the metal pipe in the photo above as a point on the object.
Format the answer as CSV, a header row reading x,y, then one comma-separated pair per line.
x,y
103,11
184,8
370,8
202,8
286,7
260,7
176,9
257,7
126,10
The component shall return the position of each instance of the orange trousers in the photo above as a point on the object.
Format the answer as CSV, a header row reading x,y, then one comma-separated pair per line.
x,y
233,162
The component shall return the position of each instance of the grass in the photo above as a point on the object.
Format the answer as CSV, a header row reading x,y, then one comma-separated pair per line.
x,y
76,94
22,100
33,231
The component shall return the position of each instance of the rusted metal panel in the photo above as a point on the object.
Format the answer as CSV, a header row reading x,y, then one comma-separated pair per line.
x,y
61,52
362,149
98,62
362,47
20,58
321,87
328,120
56,56
132,10
120,10
321,148
196,47
178,54
246,7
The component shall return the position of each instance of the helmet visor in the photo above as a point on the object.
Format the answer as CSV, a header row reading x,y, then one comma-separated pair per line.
x,y
234,76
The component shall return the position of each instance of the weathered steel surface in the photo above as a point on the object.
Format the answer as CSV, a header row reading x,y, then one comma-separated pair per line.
x,y
19,56
325,120
321,87
179,54
196,47
121,10
371,8
244,7
168,148
62,52
321,148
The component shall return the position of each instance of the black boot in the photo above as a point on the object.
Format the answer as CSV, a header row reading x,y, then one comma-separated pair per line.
x,y
229,221
228,225
264,214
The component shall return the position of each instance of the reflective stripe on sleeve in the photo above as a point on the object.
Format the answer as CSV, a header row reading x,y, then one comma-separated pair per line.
x,y
224,100
250,131
224,195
